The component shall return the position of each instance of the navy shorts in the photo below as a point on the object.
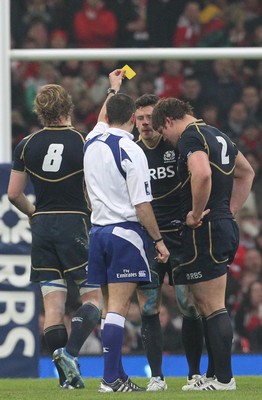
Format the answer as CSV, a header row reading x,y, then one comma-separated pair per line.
x,y
207,251
172,241
59,247
118,253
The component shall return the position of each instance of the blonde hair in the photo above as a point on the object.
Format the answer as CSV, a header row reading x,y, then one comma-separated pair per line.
x,y
51,103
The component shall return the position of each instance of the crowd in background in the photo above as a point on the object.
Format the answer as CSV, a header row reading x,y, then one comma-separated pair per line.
x,y
225,93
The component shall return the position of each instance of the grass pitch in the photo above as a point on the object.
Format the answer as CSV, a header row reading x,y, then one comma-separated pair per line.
x,y
248,388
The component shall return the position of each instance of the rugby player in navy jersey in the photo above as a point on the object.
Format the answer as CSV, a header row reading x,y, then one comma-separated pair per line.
x,y
162,160
53,159
216,180
118,186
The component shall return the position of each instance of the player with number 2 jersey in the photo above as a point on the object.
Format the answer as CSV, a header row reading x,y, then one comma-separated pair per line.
x,y
216,241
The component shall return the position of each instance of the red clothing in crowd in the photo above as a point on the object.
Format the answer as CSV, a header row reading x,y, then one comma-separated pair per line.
x,y
236,267
95,27
186,35
169,86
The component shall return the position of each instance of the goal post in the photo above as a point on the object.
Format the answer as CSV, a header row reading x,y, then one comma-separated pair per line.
x,y
134,54
5,84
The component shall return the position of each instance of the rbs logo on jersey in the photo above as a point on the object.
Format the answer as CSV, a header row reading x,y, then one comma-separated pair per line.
x,y
162,172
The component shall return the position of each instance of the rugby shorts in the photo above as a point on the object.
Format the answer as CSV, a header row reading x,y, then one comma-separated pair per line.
x,y
118,253
207,251
59,247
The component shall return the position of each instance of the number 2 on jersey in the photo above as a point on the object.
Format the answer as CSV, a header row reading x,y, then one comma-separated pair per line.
x,y
53,158
224,157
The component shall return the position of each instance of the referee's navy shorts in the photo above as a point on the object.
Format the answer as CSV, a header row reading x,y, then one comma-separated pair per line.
x,y
207,251
118,253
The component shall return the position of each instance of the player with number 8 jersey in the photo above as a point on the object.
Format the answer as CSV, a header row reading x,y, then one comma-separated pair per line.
x,y
53,159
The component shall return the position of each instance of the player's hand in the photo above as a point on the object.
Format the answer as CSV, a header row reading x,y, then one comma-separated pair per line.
x,y
30,215
194,222
30,219
116,77
162,252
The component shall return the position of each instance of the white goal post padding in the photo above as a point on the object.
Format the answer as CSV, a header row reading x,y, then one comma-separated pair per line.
x,y
195,53
5,83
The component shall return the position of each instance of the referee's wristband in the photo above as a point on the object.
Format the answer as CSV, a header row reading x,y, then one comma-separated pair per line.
x,y
157,240
110,90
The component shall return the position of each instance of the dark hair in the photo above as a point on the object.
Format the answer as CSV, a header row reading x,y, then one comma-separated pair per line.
x,y
120,108
246,301
172,108
146,100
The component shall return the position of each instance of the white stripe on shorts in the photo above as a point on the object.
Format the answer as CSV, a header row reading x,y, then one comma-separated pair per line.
x,y
133,238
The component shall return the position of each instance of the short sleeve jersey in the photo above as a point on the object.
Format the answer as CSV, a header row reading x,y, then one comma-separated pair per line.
x,y
162,162
116,175
53,157
222,154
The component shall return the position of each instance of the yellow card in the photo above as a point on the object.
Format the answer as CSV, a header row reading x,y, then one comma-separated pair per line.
x,y
130,73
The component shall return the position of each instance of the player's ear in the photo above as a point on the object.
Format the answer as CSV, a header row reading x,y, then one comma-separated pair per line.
x,y
169,120
106,118
133,118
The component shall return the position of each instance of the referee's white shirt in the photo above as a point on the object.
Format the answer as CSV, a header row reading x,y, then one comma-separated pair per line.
x,y
113,197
